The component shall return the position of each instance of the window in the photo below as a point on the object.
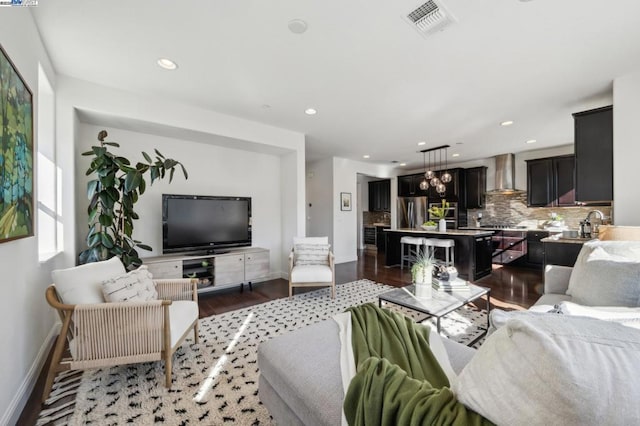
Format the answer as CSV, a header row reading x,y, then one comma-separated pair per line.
x,y
49,224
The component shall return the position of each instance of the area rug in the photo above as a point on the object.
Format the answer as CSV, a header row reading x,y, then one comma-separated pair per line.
x,y
216,381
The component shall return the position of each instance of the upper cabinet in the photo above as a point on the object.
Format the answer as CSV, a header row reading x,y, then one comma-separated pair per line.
x,y
380,196
550,182
594,155
409,186
475,184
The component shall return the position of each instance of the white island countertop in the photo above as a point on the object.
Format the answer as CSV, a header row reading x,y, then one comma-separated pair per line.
x,y
460,232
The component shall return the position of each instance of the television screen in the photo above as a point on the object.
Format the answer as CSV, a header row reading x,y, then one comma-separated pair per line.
x,y
197,222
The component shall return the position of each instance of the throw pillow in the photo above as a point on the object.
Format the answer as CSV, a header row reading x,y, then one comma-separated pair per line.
x,y
133,286
83,284
606,273
311,254
555,369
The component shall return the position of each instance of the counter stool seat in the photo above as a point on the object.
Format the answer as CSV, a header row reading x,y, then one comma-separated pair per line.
x,y
448,245
413,249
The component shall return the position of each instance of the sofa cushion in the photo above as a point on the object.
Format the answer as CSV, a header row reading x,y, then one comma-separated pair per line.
x,y
182,314
547,302
83,284
555,369
622,315
311,274
607,273
136,285
311,254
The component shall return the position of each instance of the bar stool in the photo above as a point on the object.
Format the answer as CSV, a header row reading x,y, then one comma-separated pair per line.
x,y
448,245
414,247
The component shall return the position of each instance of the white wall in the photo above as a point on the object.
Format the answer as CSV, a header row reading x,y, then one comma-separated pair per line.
x,y
320,199
157,116
26,321
626,149
345,223
213,170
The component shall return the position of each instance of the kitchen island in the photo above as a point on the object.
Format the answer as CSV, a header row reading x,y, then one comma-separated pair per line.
x,y
473,249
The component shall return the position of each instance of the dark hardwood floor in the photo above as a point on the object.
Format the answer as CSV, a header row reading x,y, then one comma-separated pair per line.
x,y
511,288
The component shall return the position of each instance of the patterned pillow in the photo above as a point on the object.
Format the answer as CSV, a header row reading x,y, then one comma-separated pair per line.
x,y
135,286
311,254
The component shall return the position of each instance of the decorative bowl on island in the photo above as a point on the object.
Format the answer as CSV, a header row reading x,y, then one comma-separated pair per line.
x,y
429,227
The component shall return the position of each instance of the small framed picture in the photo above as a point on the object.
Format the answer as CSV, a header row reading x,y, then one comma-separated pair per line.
x,y
345,201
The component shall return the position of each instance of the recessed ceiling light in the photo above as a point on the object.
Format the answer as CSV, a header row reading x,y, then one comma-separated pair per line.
x,y
459,143
455,155
167,64
422,143
310,111
297,26
403,164
531,141
266,106
366,156
506,123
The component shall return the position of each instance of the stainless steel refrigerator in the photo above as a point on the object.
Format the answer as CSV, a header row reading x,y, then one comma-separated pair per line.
x,y
412,212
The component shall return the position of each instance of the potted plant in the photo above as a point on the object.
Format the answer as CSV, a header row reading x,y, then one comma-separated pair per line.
x,y
440,213
113,191
421,275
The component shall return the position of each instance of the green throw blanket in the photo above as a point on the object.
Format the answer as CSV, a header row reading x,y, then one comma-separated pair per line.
x,y
398,380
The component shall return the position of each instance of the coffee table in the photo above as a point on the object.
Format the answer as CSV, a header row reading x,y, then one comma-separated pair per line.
x,y
440,304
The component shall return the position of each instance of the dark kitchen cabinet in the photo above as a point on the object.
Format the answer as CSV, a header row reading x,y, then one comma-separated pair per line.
x,y
409,186
563,254
452,192
594,155
535,248
484,251
380,196
475,185
381,238
550,181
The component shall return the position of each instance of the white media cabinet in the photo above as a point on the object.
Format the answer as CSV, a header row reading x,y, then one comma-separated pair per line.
x,y
214,271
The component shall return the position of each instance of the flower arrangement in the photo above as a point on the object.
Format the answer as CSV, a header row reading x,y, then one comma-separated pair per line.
x,y
440,212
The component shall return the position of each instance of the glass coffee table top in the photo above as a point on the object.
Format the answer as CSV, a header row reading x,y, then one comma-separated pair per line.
x,y
440,303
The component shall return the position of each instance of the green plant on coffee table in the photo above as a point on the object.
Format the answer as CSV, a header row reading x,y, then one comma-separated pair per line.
x,y
112,193
420,269
440,212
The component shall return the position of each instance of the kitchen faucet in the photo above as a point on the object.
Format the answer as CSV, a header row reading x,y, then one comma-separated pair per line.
x,y
585,227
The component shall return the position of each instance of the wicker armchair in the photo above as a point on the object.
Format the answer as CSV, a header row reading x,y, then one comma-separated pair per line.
x,y
109,334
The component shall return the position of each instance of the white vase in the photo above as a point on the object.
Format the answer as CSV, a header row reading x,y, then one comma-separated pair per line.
x,y
442,225
423,291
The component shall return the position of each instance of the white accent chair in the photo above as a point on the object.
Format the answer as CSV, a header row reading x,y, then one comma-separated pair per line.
x,y
101,334
312,273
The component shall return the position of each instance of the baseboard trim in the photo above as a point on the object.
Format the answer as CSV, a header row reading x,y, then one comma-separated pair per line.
x,y
23,393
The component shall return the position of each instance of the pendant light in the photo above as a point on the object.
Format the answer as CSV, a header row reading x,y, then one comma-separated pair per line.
x,y
424,185
434,180
446,176
428,174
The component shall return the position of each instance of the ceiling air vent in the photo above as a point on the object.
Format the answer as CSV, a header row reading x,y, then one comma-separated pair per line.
x,y
430,17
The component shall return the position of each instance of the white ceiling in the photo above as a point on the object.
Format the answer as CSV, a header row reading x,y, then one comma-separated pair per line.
x,y
379,86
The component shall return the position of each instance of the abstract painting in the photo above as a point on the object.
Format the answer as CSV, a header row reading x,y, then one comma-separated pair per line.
x,y
16,153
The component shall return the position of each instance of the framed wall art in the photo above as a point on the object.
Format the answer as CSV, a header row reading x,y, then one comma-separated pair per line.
x,y
345,201
16,153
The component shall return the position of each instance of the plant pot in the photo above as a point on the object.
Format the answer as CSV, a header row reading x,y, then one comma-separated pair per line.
x,y
442,225
423,291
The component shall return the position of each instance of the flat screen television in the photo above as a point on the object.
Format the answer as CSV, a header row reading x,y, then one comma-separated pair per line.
x,y
202,223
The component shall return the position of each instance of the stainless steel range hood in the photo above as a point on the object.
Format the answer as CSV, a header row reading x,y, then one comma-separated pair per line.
x,y
505,175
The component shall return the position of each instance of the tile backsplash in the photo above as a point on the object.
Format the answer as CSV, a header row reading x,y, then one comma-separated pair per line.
x,y
369,218
501,209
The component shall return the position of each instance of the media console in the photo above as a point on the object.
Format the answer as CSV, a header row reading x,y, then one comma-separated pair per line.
x,y
214,271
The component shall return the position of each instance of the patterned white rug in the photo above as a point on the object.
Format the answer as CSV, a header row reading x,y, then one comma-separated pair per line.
x,y
216,381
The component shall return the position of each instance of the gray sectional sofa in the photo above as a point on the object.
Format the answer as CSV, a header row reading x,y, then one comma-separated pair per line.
x,y
300,379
